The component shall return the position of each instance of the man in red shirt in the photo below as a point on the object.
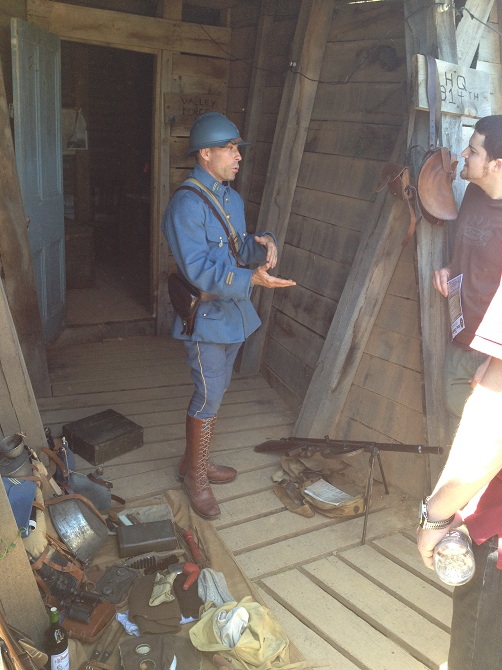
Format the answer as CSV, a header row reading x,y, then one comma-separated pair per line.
x,y
470,490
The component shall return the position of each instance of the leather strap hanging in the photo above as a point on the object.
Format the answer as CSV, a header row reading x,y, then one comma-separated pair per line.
x,y
437,172
434,100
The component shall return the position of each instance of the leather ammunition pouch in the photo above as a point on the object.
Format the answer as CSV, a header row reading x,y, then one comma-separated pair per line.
x,y
185,299
100,617
397,179
57,573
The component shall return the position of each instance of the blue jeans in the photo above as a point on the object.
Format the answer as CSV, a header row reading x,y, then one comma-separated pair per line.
x,y
476,631
212,366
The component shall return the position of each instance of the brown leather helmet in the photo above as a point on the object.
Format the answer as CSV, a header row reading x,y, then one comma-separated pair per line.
x,y
435,186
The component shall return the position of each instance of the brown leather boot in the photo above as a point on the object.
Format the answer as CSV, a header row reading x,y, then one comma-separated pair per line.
x,y
195,483
216,474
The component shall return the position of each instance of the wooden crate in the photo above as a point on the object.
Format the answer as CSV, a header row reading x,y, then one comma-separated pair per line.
x,y
103,436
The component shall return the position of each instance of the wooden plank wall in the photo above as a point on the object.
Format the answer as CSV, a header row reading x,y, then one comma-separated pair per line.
x,y
490,58
193,75
353,128
278,50
243,23
356,117
229,78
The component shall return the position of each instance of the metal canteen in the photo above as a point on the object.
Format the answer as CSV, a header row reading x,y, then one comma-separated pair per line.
x,y
78,527
12,445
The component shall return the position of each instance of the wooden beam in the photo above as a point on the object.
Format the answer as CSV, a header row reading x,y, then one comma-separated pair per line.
x,y
161,191
20,599
430,31
18,399
293,120
161,177
255,95
469,30
362,296
127,31
19,279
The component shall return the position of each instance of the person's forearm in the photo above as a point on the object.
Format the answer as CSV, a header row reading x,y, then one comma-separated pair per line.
x,y
476,454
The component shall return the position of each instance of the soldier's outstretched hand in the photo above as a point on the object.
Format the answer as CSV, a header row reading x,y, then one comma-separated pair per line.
x,y
260,277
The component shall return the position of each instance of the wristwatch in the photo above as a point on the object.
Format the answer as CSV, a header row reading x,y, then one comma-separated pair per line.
x,y
424,522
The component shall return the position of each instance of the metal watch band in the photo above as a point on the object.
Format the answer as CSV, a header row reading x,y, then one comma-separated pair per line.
x,y
436,525
432,525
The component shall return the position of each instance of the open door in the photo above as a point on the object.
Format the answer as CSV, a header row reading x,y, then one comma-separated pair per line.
x,y
36,66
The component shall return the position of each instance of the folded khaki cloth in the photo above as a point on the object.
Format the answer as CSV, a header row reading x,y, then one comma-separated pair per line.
x,y
163,618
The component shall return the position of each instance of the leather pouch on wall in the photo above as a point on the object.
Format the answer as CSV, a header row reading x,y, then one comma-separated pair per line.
x,y
101,617
148,536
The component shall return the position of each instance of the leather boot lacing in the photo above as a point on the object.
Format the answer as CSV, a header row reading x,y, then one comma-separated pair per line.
x,y
216,474
195,483
205,441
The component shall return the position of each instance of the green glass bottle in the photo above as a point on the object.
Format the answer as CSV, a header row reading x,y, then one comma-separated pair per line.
x,y
57,644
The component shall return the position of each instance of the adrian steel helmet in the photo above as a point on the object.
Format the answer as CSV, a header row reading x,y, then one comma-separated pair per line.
x,y
213,129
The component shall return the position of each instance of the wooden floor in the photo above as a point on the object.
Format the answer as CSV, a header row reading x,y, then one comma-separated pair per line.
x,y
346,606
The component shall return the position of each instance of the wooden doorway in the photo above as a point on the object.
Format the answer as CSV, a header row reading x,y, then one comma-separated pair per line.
x,y
107,186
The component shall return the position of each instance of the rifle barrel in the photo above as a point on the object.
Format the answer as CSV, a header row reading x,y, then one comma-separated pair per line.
x,y
327,445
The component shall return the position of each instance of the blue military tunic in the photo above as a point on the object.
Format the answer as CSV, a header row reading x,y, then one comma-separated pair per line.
x,y
201,250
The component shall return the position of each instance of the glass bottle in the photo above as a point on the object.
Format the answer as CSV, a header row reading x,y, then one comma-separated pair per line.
x,y
453,558
57,644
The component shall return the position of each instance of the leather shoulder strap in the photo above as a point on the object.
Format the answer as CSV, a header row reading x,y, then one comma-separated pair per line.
x,y
434,99
204,188
209,204
231,241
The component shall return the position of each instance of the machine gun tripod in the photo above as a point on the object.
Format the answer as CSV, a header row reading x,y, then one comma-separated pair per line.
x,y
307,447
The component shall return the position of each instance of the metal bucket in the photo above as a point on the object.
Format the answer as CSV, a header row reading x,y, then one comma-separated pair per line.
x,y
78,527
12,445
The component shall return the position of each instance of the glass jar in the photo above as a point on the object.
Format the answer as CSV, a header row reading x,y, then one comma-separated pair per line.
x,y
453,557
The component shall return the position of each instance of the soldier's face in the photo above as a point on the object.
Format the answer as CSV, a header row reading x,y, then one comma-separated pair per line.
x,y
222,162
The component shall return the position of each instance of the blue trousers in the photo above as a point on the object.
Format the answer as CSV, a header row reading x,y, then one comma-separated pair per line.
x,y
212,366
476,630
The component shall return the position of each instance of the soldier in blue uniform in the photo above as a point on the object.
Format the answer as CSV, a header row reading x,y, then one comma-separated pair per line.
x,y
226,267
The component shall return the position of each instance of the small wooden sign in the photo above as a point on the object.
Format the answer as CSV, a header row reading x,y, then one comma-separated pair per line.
x,y
464,92
186,107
